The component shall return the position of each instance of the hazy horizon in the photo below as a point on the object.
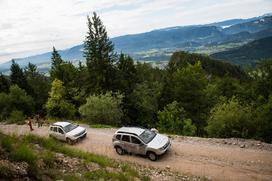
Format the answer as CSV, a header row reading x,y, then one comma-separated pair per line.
x,y
33,27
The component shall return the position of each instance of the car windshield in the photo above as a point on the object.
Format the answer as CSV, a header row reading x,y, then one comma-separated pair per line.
x,y
70,127
147,136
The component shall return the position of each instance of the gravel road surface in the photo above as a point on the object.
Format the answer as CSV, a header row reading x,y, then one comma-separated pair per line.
x,y
215,159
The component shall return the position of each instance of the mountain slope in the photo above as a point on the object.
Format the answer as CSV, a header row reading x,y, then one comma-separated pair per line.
x,y
249,53
251,27
211,66
158,45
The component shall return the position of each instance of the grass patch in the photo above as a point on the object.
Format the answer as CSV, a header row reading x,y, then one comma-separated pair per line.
x,y
145,178
100,126
24,153
128,170
7,143
71,178
104,175
57,146
48,158
22,149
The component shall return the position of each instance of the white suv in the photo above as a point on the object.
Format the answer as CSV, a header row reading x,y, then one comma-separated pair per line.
x,y
140,141
66,131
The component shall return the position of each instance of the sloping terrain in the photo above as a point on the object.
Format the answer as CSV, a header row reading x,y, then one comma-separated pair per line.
x,y
29,157
215,159
249,53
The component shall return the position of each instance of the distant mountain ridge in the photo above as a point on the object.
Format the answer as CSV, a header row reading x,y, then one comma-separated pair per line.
x,y
158,45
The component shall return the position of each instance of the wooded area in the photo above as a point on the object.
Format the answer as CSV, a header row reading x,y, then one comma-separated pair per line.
x,y
192,95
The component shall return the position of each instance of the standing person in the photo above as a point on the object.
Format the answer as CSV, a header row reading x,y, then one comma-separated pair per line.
x,y
30,124
38,120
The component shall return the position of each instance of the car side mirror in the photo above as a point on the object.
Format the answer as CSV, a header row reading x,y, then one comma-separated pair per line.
x,y
154,130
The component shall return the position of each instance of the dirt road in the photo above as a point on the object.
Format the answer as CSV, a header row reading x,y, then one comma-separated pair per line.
x,y
216,159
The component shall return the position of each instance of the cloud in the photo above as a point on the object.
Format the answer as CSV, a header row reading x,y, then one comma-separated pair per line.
x,y
34,26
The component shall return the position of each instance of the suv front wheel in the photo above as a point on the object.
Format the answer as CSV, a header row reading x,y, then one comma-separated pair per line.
x,y
69,141
119,150
152,156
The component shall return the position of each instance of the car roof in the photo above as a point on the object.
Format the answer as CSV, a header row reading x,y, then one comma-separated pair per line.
x,y
61,123
131,130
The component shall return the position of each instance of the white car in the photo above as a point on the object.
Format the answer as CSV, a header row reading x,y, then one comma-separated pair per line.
x,y
140,141
66,131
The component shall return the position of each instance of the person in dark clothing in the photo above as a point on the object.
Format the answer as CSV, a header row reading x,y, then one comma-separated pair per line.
x,y
39,121
29,122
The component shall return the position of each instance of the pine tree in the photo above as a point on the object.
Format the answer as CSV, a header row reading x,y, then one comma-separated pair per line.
x,y
100,56
31,70
56,58
127,74
18,77
56,62
4,84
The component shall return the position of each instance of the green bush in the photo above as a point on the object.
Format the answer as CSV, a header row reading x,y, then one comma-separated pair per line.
x,y
173,120
16,117
15,104
264,121
24,153
189,128
4,106
19,100
103,109
56,105
230,118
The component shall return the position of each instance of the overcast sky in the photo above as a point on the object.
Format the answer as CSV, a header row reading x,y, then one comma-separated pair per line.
x,y
29,27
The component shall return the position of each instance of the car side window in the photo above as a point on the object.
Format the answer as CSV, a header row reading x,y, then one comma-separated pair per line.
x,y
135,140
51,128
55,129
125,138
60,131
118,136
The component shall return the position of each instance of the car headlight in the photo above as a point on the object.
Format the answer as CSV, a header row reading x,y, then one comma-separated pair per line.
x,y
162,148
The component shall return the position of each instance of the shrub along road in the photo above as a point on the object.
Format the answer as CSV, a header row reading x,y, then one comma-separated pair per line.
x,y
216,159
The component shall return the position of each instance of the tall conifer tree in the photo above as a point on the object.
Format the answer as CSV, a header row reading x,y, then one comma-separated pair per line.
x,y
56,62
100,56
18,77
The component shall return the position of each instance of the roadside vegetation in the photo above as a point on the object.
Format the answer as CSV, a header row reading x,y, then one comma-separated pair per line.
x,y
47,159
193,95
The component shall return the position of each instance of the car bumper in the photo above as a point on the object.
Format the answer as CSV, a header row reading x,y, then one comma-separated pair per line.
x,y
163,151
80,137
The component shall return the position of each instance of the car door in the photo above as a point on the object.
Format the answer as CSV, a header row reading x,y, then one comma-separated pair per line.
x,y
137,145
61,134
54,132
126,143
51,131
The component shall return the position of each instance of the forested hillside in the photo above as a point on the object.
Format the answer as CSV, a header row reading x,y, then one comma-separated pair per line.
x,y
249,53
193,95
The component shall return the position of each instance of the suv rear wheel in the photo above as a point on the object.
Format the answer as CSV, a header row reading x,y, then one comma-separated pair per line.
x,y
119,150
152,156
